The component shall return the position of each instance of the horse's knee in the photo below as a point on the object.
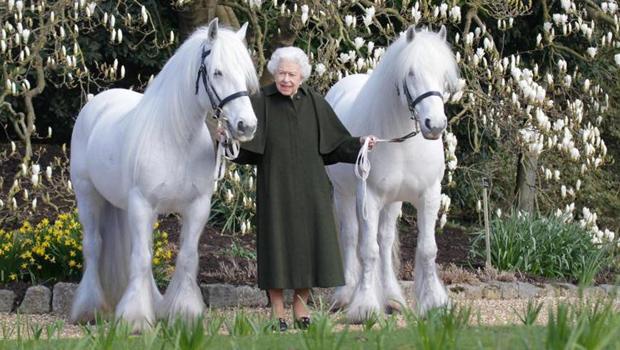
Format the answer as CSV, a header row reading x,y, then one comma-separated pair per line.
x,y
348,236
426,253
370,254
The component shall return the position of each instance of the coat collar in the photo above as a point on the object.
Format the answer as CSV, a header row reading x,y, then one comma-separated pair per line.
x,y
271,89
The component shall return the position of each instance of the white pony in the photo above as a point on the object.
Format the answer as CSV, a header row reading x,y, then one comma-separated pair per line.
x,y
135,156
409,79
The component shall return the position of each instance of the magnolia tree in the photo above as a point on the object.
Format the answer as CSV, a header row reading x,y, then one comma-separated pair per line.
x,y
41,44
62,44
534,95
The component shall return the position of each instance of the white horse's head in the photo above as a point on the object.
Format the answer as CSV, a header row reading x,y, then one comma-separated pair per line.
x,y
425,69
226,77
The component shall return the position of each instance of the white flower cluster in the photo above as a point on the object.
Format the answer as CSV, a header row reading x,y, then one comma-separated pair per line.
x,y
444,208
588,221
451,142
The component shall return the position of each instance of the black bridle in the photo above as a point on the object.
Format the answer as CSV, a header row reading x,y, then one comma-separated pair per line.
x,y
216,102
411,103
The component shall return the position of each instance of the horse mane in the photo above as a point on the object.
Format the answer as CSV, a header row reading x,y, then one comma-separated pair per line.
x,y
167,111
428,55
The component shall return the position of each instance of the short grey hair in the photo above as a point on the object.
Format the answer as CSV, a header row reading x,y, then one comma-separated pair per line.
x,y
290,53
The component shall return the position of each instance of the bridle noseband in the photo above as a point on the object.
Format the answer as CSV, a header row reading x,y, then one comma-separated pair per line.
x,y
213,96
411,103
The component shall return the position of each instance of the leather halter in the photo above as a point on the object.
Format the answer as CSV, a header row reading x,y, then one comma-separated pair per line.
x,y
411,103
216,102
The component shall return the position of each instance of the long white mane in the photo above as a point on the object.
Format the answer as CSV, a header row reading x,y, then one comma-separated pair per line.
x,y
428,55
170,102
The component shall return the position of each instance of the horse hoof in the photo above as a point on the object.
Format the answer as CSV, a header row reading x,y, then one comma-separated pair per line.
x,y
394,307
336,308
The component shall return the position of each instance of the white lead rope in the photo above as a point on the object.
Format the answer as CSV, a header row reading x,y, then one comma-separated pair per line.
x,y
362,164
224,151
362,169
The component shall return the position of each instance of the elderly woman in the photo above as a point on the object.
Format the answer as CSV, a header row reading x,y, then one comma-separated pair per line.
x,y
298,134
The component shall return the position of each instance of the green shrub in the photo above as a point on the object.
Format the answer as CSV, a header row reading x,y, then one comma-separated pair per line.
x,y
547,247
234,200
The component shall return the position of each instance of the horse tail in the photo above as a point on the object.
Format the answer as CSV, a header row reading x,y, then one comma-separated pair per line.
x,y
115,252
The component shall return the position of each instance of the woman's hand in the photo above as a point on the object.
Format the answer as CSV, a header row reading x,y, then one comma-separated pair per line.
x,y
372,141
221,134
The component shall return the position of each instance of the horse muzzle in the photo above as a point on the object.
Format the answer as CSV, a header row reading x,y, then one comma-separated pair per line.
x,y
433,132
242,131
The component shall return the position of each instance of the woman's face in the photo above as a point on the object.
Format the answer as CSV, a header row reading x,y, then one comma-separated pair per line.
x,y
288,77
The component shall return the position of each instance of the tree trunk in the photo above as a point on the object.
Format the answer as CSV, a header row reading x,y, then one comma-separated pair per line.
x,y
285,37
199,12
526,182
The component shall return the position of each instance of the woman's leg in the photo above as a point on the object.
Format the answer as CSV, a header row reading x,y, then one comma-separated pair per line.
x,y
300,302
277,303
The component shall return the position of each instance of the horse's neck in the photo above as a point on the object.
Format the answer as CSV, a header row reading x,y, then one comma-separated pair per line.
x,y
159,127
181,121
381,111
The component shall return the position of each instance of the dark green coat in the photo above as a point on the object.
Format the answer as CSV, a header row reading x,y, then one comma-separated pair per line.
x,y
297,242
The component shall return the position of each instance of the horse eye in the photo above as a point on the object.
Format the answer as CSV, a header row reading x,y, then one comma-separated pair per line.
x,y
217,73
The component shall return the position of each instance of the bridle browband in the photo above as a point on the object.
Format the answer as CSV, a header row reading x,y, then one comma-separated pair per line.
x,y
213,96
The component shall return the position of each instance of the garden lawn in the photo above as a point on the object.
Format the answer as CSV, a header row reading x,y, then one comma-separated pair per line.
x,y
499,337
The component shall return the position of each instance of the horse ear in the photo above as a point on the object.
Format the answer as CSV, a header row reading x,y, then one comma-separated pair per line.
x,y
410,34
213,28
443,32
241,32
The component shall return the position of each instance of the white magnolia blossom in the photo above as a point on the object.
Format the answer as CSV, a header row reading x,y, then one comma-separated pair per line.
x,y
445,203
455,14
371,46
416,13
369,15
304,13
348,20
566,5
443,220
559,19
358,42
145,15
35,180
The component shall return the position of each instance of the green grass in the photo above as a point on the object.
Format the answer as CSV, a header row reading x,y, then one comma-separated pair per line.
x,y
585,324
472,338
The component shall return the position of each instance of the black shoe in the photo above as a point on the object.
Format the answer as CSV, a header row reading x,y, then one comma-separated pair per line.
x,y
282,325
302,323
